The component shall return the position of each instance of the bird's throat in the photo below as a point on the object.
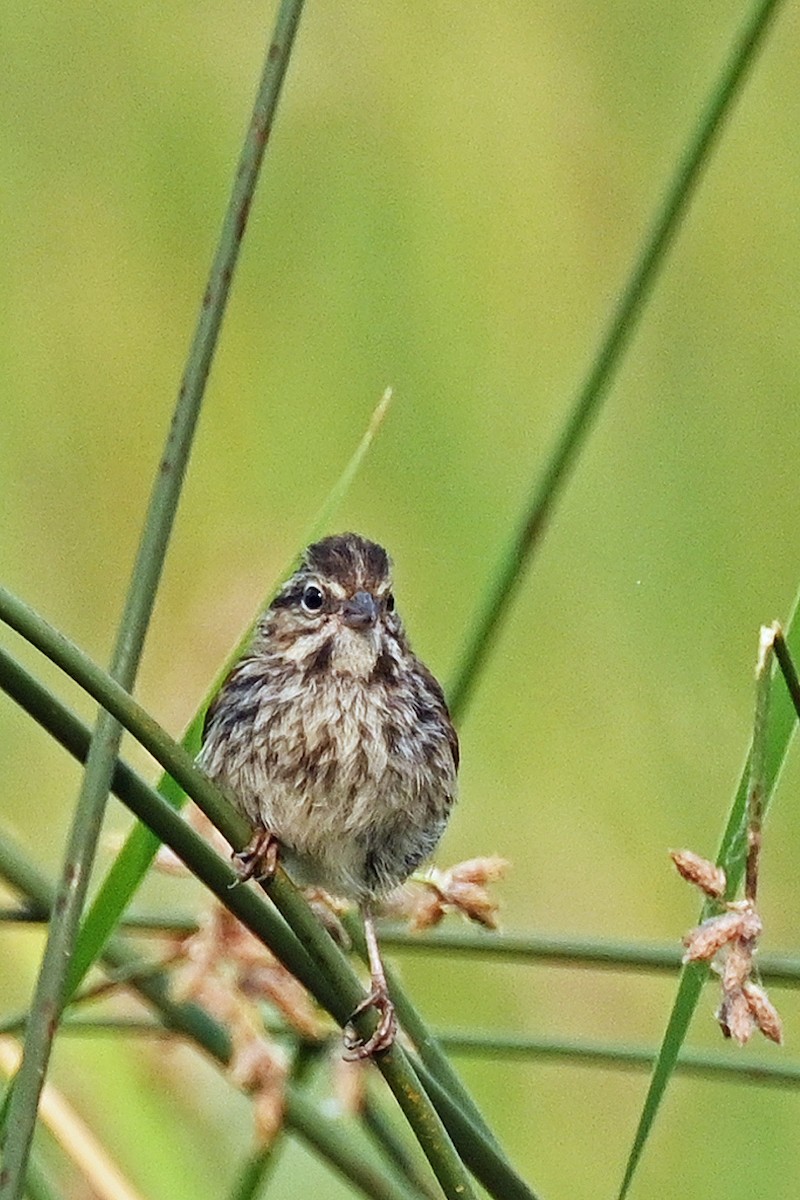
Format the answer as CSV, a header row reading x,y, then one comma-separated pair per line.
x,y
355,652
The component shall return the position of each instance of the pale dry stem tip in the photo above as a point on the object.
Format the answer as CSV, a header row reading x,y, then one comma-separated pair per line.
x,y
379,413
766,641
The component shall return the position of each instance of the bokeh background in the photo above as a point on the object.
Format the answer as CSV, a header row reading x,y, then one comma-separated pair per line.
x,y
452,199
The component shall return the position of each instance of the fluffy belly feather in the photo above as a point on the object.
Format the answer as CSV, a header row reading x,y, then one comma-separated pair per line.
x,y
328,771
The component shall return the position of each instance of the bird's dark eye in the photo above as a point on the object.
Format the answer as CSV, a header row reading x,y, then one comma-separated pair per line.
x,y
390,603
313,599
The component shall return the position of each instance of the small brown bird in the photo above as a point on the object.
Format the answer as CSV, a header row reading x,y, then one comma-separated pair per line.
x,y
335,741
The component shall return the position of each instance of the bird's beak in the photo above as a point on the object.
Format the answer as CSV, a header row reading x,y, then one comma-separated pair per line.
x,y
360,611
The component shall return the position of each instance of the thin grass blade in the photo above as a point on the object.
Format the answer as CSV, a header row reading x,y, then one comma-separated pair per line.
x,y
141,846
298,940
732,856
592,391
84,834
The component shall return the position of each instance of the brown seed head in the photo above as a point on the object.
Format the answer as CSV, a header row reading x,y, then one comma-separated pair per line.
x,y
763,1011
700,871
735,1018
706,940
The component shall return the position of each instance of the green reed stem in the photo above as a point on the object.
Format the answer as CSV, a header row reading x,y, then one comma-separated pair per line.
x,y
495,1046
757,778
787,668
624,321
261,1162
732,856
491,1169
134,859
87,821
582,953
424,1040
37,1183
388,1141
336,986
716,1067
188,1020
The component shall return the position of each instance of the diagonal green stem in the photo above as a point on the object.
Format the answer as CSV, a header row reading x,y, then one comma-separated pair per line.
x,y
691,1062
757,779
139,850
731,857
424,1040
787,669
393,1148
87,821
614,343
582,953
336,986
188,1020
780,970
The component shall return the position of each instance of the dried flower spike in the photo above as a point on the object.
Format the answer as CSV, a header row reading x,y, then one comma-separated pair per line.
x,y
733,936
706,940
735,1017
463,888
763,1011
700,871
737,966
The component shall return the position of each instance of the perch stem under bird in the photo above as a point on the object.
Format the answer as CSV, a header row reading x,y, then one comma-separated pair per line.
x,y
335,741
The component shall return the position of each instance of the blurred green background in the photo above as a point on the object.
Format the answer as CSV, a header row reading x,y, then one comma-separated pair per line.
x,y
452,199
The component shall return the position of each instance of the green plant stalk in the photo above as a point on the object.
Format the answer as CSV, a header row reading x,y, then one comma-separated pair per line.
x,y
337,988
192,1022
491,1169
253,1173
424,1040
731,857
718,1068
614,343
333,1144
581,953
757,783
422,1113
85,830
787,668
141,845
136,1026
37,1183
391,1145
260,1163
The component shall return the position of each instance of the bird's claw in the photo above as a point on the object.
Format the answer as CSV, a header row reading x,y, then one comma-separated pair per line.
x,y
382,1038
259,859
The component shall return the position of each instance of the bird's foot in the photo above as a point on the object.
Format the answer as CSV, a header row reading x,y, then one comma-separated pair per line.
x,y
259,859
382,1038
